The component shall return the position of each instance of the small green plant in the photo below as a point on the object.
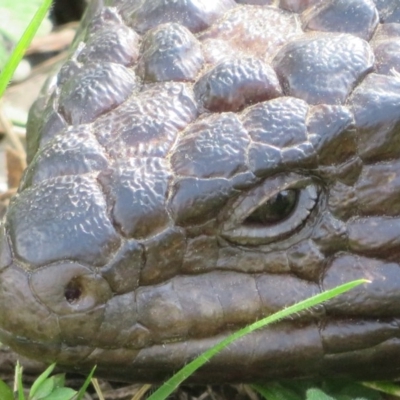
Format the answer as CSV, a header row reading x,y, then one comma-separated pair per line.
x,y
45,387
309,390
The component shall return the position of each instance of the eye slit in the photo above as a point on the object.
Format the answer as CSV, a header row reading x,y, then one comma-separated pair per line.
x,y
73,291
275,209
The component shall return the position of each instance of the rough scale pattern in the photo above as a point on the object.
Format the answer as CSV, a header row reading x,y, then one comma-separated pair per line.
x,y
197,165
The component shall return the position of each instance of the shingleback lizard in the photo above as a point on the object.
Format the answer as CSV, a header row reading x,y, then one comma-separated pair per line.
x,y
196,165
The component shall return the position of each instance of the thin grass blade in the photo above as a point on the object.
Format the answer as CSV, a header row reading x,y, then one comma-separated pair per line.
x,y
169,386
85,385
384,387
18,387
22,45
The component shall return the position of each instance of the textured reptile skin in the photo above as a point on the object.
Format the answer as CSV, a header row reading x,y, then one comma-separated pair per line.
x,y
197,165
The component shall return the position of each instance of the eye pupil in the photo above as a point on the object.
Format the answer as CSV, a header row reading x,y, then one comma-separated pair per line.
x,y
73,292
276,209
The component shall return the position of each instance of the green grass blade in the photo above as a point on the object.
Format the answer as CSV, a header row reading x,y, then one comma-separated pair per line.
x,y
18,387
85,385
22,45
40,379
385,387
168,387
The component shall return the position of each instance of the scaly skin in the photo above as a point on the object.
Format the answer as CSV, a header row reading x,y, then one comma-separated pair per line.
x,y
197,165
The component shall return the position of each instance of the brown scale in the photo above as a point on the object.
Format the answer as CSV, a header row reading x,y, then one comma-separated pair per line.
x,y
197,165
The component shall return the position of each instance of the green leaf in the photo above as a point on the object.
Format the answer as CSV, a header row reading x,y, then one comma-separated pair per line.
x,y
168,387
41,379
59,380
85,385
45,388
317,394
22,45
275,391
5,391
61,394
348,390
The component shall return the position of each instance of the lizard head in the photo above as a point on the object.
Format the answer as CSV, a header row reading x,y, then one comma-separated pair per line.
x,y
195,167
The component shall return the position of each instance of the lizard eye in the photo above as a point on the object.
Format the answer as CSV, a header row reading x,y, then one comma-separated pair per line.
x,y
272,211
277,208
